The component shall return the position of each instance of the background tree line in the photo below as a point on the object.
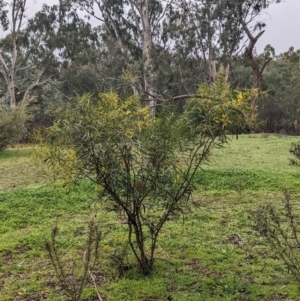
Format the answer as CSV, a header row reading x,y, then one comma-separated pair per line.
x,y
159,50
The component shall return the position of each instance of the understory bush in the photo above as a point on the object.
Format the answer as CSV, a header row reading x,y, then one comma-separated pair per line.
x,y
295,151
12,125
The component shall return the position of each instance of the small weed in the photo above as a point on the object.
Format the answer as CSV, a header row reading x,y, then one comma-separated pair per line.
x,y
73,279
281,230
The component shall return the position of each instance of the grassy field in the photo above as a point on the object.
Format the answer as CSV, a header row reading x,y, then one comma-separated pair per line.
x,y
213,254
256,152
17,169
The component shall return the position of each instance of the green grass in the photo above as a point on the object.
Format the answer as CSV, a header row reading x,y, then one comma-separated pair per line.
x,y
252,162
18,169
266,152
215,254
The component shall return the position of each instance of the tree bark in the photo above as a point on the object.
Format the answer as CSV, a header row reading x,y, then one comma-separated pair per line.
x,y
148,62
145,35
17,14
10,69
108,20
257,70
8,74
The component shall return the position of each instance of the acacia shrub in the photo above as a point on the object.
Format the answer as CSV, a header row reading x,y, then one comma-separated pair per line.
x,y
143,166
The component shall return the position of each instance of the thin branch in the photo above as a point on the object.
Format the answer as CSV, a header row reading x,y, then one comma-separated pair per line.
x,y
186,96
95,285
265,65
136,19
162,15
35,85
3,67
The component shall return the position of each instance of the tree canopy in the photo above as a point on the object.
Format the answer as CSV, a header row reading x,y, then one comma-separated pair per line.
x,y
158,50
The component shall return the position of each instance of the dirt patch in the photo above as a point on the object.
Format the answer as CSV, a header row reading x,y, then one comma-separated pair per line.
x,y
32,297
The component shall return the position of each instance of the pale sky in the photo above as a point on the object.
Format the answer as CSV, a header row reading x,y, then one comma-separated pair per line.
x,y
283,26
282,31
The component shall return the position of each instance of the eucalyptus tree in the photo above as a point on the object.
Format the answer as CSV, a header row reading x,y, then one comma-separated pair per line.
x,y
73,42
282,81
8,67
21,64
36,50
207,32
12,123
247,13
215,31
97,70
137,28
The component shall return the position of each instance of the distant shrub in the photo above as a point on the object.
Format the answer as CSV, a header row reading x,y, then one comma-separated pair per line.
x,y
12,125
295,151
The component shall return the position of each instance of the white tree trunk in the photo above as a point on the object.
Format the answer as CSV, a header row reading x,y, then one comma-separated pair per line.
x,y
148,62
